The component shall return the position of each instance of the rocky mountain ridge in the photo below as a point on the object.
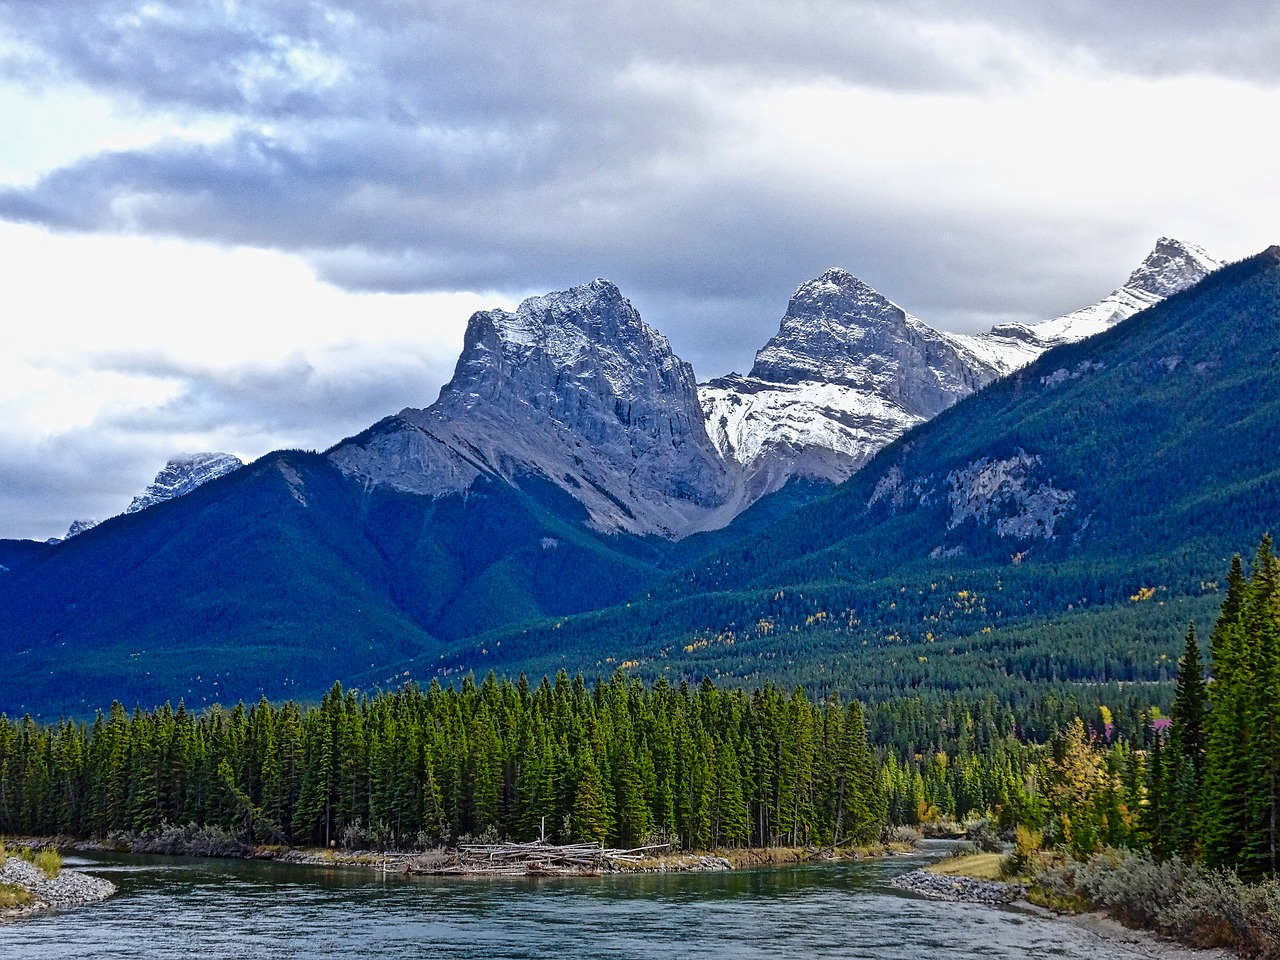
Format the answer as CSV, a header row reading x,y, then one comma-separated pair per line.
x,y
849,371
572,389
176,478
183,474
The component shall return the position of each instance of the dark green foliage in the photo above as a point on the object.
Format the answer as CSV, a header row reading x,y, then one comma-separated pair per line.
x,y
618,763
1182,765
1163,433
1215,783
275,579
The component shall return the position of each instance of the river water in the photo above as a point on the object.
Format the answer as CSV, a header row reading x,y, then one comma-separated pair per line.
x,y
188,909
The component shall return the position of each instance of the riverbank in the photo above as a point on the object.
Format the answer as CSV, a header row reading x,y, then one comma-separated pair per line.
x,y
448,862
202,842
969,880
70,888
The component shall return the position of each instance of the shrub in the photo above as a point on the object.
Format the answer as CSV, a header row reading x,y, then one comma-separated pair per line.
x,y
1210,912
49,861
1021,861
900,834
982,834
12,895
1202,908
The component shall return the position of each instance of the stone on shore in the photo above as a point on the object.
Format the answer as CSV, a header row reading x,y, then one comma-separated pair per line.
x,y
965,889
69,888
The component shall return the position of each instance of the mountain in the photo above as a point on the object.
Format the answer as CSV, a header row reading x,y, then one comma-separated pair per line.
x,y
575,390
849,370
568,430
532,516
285,575
1101,489
178,477
1173,266
183,474
80,526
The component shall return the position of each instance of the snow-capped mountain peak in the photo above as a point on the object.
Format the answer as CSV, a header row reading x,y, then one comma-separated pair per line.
x,y
1171,267
183,474
78,527
849,370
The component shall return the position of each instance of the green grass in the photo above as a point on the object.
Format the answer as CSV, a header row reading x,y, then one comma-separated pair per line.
x,y
50,861
46,859
977,866
13,896
1056,902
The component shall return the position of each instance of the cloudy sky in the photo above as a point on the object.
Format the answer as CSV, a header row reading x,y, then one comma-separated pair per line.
x,y
246,225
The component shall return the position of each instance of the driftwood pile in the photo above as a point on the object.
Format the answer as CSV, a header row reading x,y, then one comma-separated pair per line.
x,y
524,859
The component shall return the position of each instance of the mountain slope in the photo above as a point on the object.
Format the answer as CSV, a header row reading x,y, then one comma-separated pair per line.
x,y
1154,433
183,474
284,576
1117,471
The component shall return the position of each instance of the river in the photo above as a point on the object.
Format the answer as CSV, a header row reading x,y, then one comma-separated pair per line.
x,y
189,909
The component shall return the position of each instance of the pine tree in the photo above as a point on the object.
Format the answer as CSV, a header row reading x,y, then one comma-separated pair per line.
x,y
1183,760
1224,821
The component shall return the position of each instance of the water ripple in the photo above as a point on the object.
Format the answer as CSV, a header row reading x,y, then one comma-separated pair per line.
x,y
180,909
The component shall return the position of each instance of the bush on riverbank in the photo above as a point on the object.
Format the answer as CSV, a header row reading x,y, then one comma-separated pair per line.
x,y
49,861
12,895
45,859
191,841
1203,908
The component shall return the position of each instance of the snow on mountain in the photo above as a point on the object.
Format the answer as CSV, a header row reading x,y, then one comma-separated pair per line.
x,y
183,474
849,371
78,527
573,388
1173,266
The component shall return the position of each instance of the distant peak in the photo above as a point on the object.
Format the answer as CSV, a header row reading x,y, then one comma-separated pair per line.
x,y
78,527
182,474
835,279
1171,267
838,275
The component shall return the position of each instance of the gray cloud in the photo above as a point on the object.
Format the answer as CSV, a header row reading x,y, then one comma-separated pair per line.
x,y
521,147
95,470
440,146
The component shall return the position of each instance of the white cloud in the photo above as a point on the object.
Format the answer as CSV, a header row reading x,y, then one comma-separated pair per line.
x,y
976,162
165,346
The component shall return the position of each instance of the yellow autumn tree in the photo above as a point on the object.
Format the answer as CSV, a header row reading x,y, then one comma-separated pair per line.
x,y
1074,775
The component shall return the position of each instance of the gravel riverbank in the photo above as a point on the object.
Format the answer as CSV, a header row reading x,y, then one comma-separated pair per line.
x,y
965,889
1114,938
69,888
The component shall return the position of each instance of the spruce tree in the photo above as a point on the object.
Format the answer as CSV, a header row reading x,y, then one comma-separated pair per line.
x,y
1223,818
1183,760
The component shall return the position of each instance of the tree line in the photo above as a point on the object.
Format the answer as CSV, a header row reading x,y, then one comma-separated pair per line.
x,y
1215,778
620,762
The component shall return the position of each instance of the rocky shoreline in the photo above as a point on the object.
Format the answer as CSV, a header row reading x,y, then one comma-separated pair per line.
x,y
69,888
939,886
1109,932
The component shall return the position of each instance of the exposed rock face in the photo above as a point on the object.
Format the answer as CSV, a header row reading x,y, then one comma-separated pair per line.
x,y
847,372
1006,495
573,388
839,330
183,474
850,371
78,527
